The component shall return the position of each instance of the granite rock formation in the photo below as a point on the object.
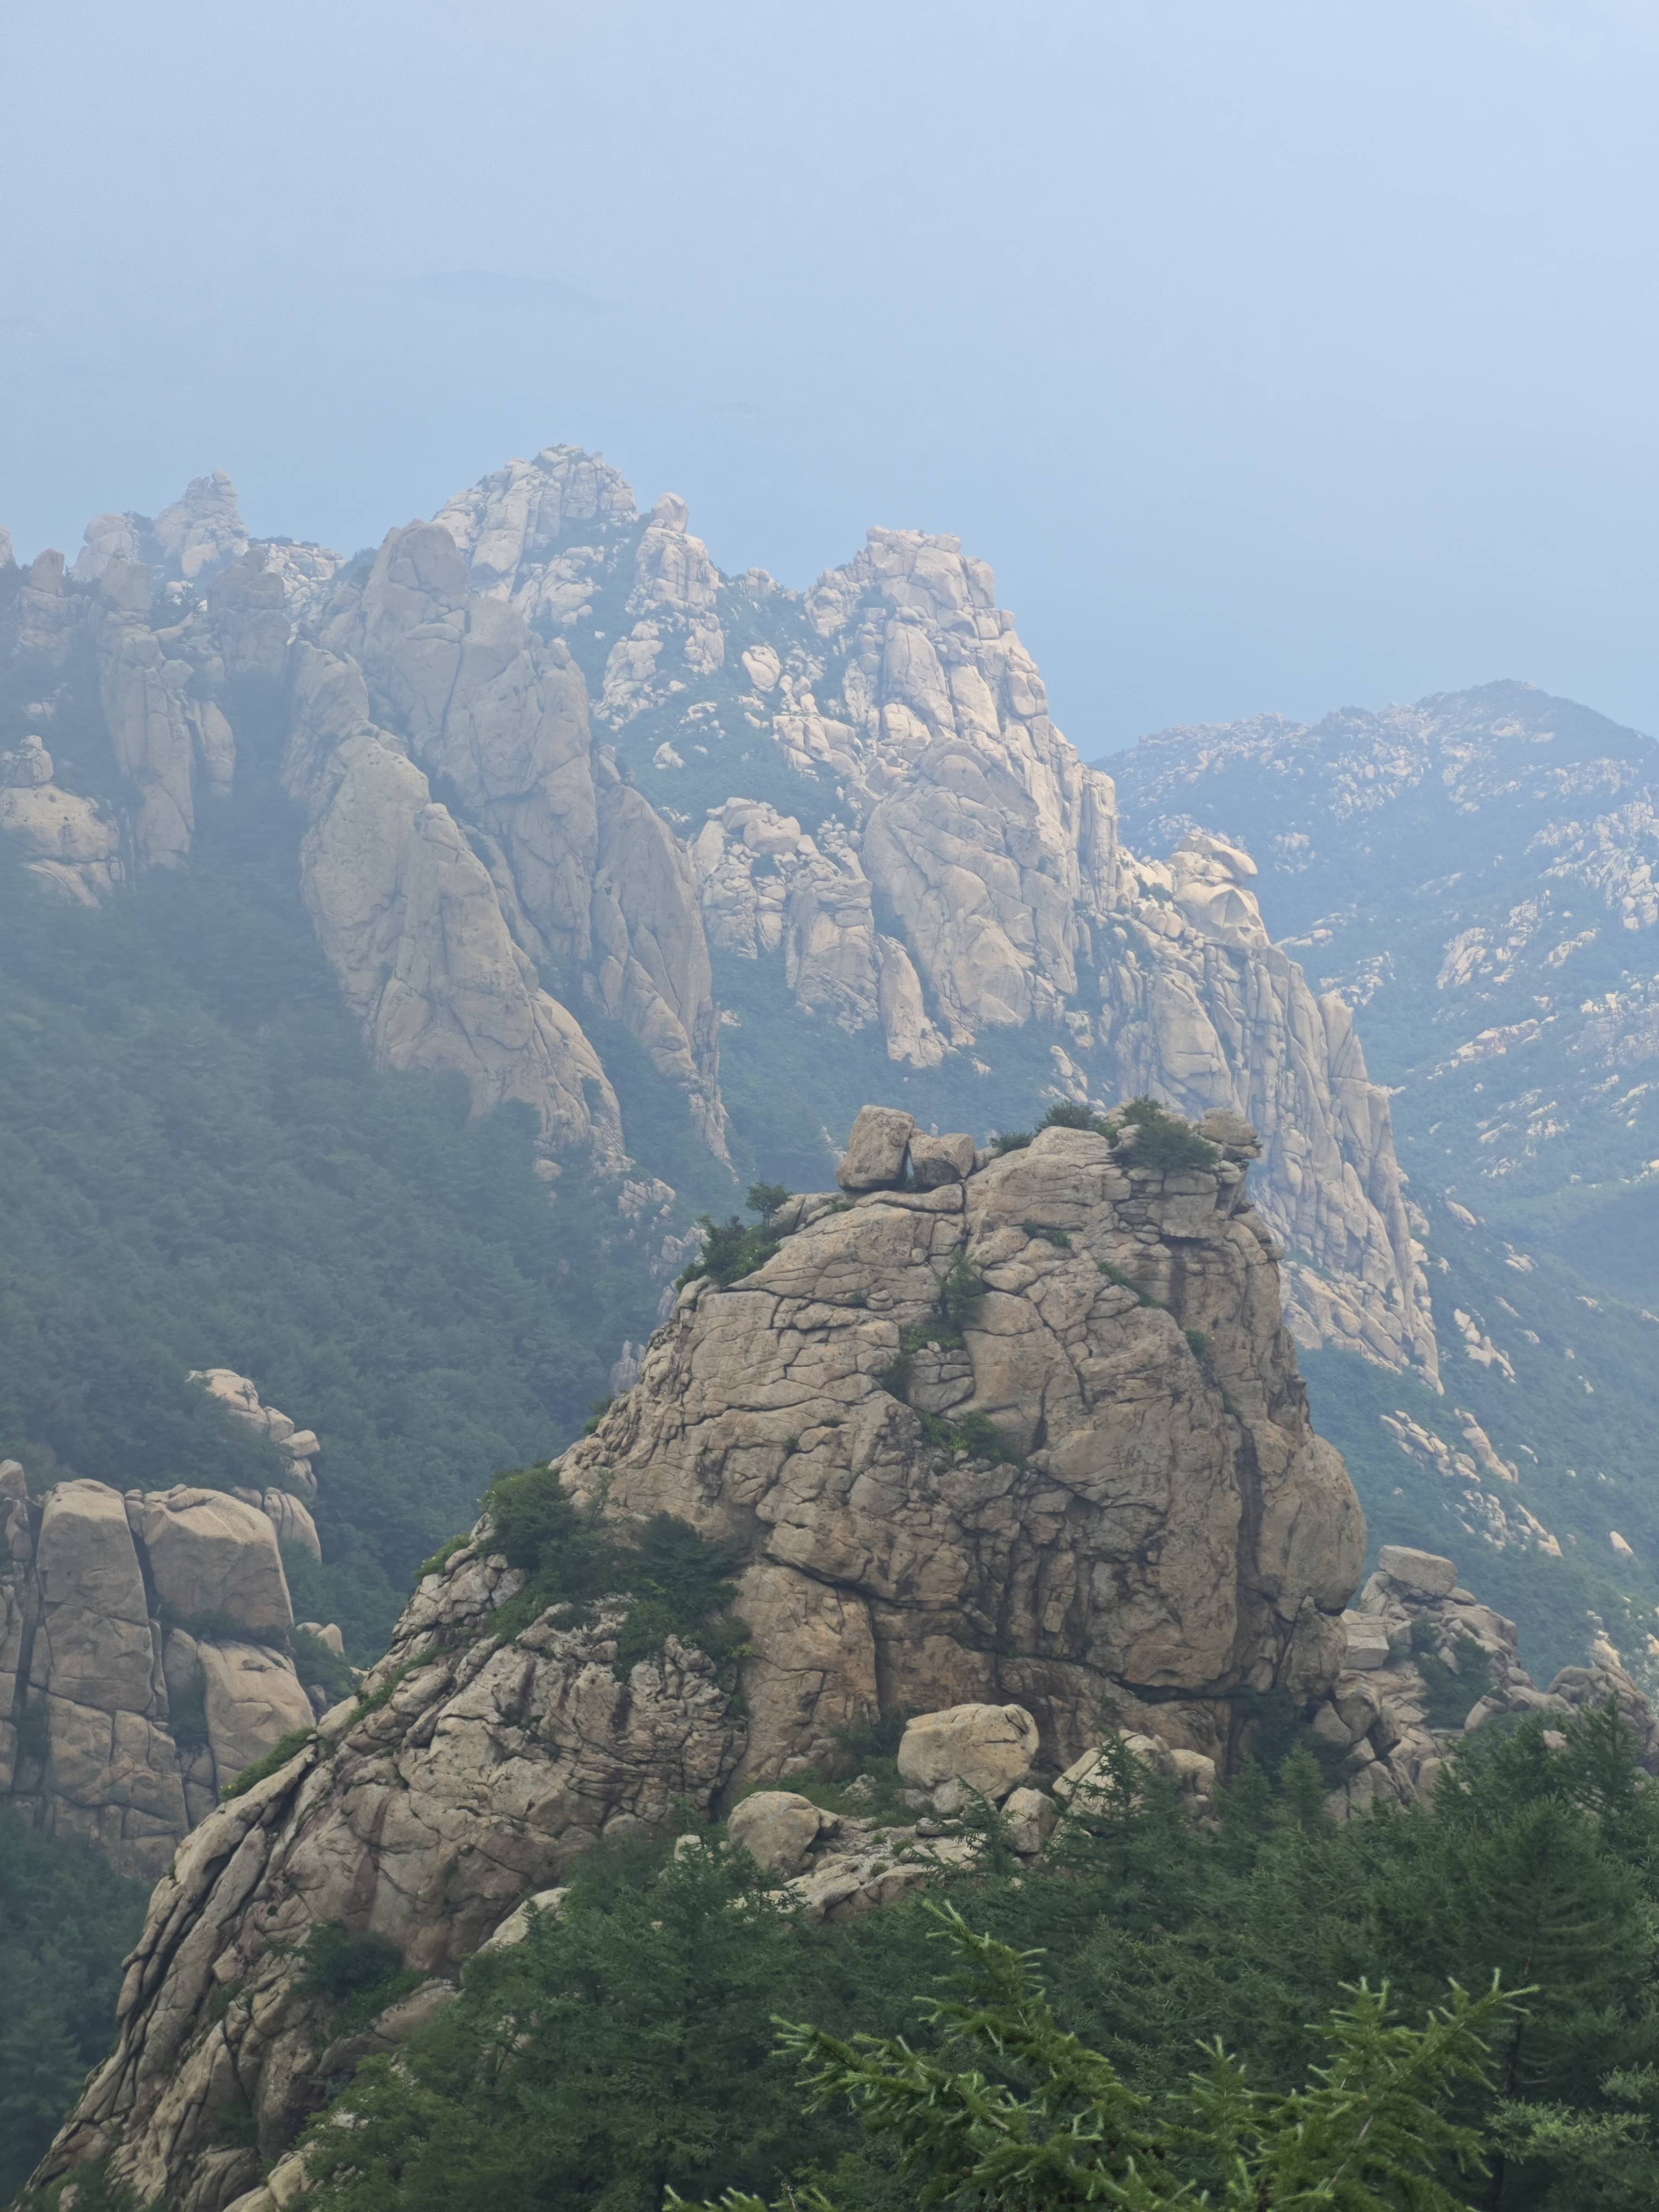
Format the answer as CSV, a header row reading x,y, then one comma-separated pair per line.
x,y
946,874
143,1659
1414,1635
1120,1498
556,768
1156,1520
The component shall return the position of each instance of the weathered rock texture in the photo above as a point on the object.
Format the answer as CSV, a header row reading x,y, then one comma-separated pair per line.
x,y
1164,1531
1165,1525
425,1821
143,1659
962,881
1411,1614
553,765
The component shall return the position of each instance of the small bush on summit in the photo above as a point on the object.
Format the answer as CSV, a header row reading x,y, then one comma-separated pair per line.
x,y
767,1199
734,1248
1152,1137
1071,1113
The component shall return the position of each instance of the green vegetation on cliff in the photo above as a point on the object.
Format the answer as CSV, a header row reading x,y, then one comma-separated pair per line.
x,y
632,2048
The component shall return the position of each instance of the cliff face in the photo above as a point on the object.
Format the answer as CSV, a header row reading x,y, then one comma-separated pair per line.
x,y
1161,1523
144,1659
145,1642
563,775
1471,876
962,877
1097,1489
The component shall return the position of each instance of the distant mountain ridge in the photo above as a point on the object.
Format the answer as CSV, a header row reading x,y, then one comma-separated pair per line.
x,y
1474,875
582,813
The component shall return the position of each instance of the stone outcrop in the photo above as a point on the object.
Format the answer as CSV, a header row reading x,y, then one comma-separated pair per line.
x,y
1123,1503
1412,1636
239,1397
412,923
962,882
1156,1522
74,847
426,1819
580,870
143,1659
186,542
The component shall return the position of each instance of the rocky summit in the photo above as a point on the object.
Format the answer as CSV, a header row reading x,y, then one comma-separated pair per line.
x,y
1007,1448
1014,1439
579,813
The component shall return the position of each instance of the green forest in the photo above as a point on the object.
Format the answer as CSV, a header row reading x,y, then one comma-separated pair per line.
x,y
201,1169
66,1921
1446,2006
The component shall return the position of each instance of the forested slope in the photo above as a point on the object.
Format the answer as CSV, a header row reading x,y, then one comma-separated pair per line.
x,y
200,1169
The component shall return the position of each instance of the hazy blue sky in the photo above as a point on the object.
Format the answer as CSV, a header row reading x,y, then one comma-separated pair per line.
x,y
1278,353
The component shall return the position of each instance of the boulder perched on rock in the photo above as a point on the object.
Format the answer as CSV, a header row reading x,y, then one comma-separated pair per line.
x,y
1423,1574
876,1149
988,1747
213,1557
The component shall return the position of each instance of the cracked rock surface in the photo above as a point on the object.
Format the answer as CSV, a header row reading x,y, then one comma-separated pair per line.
x,y
1157,1521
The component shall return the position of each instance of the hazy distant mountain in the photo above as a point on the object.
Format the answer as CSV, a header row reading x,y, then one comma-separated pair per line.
x,y
1474,875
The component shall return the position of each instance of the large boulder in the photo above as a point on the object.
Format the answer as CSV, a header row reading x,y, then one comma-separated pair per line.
x,y
988,1747
1424,1574
253,1699
876,1149
777,1828
214,1558
93,1646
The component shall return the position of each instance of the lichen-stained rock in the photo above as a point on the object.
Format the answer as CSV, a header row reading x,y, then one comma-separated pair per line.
x,y
1158,1515
425,1821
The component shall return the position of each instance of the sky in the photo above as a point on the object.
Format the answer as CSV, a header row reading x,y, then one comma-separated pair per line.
x,y
1279,356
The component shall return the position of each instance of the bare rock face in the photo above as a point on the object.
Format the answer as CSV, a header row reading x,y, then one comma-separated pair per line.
x,y
143,1658
1124,1498
1426,1665
209,1553
1125,1495
961,879
427,1821
596,878
412,924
